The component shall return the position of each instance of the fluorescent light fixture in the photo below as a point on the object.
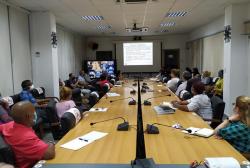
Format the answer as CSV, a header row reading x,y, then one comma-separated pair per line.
x,y
103,27
164,31
92,18
167,24
176,14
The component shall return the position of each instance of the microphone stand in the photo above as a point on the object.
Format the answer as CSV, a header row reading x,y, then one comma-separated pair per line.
x,y
121,127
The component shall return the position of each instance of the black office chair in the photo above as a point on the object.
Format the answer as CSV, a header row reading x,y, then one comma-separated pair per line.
x,y
70,119
6,153
93,98
105,88
218,107
38,93
53,119
185,95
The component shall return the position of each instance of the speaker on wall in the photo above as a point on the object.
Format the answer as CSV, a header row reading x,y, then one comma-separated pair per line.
x,y
93,45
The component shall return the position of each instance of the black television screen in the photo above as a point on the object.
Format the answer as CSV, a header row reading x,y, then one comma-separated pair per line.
x,y
96,68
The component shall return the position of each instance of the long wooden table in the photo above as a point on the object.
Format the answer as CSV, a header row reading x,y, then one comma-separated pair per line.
x,y
171,146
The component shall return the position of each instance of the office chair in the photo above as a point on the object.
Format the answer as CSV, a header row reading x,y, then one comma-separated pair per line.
x,y
70,119
93,98
38,93
185,95
6,153
106,88
218,107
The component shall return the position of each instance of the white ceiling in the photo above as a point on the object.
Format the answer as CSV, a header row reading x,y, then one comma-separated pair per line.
x,y
119,15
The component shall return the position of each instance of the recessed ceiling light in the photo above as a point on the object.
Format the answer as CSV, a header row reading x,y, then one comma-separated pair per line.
x,y
175,14
103,27
167,24
92,18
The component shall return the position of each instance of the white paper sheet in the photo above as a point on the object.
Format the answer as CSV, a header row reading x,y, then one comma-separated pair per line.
x,y
98,109
84,140
110,94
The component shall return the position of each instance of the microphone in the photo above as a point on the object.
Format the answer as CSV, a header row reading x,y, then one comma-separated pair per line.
x,y
148,103
121,127
131,102
151,129
134,84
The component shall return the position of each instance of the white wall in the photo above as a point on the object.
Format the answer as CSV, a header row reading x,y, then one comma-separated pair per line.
x,y
6,87
70,52
168,42
15,60
211,28
20,46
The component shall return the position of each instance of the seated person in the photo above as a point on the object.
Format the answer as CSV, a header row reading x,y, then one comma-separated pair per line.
x,y
196,73
200,103
4,112
160,75
218,88
236,129
186,76
205,78
172,83
103,80
27,147
65,101
72,81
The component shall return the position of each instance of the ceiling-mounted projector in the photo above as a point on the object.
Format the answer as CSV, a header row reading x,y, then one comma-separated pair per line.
x,y
137,29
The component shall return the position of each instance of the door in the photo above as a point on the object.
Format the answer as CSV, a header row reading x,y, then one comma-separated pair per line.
x,y
172,58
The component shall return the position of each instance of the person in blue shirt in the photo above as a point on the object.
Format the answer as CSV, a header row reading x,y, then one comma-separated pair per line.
x,y
25,95
236,128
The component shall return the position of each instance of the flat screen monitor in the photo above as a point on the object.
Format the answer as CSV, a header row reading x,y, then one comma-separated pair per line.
x,y
96,68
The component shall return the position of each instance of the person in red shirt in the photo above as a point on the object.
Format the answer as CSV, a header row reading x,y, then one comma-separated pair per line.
x,y
27,147
103,81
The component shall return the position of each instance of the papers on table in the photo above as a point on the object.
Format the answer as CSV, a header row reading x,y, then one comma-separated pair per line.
x,y
168,104
203,132
117,85
110,94
84,140
222,162
100,109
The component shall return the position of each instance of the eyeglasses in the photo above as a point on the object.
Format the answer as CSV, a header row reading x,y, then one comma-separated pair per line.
x,y
233,104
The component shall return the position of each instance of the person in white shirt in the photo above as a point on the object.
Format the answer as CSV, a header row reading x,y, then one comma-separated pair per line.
x,y
199,103
172,83
186,76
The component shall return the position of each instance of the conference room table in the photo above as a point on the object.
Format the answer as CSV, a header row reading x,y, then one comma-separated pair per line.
x,y
170,147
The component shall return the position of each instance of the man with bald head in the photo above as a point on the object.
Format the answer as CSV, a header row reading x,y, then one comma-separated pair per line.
x,y
27,147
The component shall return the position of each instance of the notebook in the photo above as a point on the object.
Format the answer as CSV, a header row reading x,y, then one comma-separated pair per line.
x,y
222,162
203,132
161,110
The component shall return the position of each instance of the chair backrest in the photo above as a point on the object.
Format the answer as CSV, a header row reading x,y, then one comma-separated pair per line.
x,y
106,87
218,107
69,119
38,93
6,153
53,118
185,95
76,96
93,98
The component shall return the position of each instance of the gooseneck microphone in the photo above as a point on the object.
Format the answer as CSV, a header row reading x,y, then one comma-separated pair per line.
x,y
131,102
133,91
151,129
148,103
121,127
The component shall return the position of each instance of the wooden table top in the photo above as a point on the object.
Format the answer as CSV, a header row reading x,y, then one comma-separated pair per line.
x,y
171,146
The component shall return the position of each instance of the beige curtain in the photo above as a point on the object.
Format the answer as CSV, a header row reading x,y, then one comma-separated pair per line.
x,y
213,51
195,53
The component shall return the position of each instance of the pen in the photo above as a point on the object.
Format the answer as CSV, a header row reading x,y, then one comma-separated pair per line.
x,y
83,139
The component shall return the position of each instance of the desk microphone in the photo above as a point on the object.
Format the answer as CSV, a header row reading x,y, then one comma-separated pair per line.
x,y
151,129
121,127
131,102
148,103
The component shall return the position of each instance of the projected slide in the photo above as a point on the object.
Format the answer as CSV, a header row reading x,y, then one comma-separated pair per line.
x,y
138,53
